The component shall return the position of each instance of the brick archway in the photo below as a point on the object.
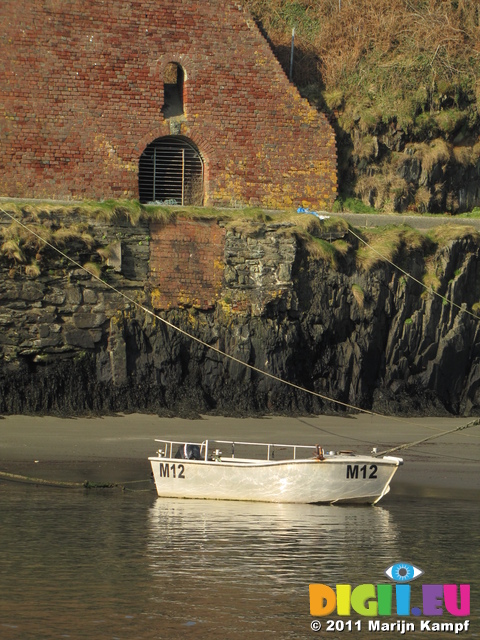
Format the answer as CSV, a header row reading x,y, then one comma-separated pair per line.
x,y
171,171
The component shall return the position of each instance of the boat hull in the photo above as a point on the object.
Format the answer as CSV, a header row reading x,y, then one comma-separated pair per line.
x,y
340,479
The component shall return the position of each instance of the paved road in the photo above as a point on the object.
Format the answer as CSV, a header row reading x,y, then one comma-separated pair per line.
x,y
417,222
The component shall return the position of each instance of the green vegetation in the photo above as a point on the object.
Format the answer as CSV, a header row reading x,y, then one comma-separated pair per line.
x,y
358,294
382,61
389,74
386,243
74,228
322,250
446,233
352,205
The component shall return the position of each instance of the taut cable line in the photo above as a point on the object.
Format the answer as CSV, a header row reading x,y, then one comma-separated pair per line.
x,y
473,423
185,333
409,275
223,354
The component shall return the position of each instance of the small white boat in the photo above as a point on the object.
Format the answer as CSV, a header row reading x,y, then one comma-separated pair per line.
x,y
270,473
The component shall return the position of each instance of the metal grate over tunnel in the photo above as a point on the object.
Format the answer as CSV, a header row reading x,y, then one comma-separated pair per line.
x,y
171,172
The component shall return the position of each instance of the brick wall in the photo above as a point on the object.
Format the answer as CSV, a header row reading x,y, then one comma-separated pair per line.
x,y
186,264
82,93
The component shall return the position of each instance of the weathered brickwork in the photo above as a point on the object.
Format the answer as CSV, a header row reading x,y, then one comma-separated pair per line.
x,y
82,96
186,264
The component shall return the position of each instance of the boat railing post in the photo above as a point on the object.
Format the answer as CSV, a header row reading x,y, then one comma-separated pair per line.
x,y
233,450
206,450
294,453
268,452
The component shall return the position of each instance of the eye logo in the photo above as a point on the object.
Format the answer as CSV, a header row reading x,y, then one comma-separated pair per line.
x,y
403,572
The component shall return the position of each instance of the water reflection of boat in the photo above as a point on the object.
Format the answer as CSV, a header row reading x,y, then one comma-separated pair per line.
x,y
272,473
264,544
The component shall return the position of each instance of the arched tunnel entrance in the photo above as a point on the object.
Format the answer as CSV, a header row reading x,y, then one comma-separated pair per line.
x,y
171,172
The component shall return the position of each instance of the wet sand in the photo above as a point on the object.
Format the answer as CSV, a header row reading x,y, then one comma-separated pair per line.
x,y
115,449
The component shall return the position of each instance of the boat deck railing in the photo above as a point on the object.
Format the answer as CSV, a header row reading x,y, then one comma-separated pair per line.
x,y
240,450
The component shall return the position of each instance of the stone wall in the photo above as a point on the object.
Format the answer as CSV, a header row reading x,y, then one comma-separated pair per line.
x,y
367,337
186,264
83,91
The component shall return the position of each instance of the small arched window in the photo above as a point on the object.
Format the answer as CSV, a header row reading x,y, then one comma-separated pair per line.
x,y
173,81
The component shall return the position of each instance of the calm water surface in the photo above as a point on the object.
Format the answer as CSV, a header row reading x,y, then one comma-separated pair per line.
x,y
103,565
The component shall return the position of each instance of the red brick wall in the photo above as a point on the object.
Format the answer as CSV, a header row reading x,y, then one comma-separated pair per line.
x,y
82,92
186,264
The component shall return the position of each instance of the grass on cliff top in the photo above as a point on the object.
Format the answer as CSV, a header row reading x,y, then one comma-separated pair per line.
x,y
242,219
446,233
321,237
132,210
386,243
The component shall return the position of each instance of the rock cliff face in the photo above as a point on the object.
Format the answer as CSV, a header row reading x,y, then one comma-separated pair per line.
x,y
371,338
393,170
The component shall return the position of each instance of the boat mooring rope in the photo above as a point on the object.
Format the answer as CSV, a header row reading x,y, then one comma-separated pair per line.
x,y
189,335
409,275
473,423
16,477
262,372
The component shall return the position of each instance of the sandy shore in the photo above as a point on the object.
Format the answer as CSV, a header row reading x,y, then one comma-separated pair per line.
x,y
116,448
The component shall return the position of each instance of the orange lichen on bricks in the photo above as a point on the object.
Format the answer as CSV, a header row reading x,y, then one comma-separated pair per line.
x,y
83,92
186,264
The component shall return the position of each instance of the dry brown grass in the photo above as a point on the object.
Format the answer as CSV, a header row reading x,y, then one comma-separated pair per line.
x,y
463,155
423,197
447,233
342,247
385,243
437,152
431,278
434,34
310,224
467,154
32,270
93,268
24,237
65,235
365,147
358,294
12,251
382,190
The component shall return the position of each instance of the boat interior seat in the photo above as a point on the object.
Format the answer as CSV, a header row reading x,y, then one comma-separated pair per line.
x,y
189,452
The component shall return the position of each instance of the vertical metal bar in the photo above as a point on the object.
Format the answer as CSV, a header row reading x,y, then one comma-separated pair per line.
x,y
183,177
291,53
154,171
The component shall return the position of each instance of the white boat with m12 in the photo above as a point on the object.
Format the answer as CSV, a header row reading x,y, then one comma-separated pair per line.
x,y
263,472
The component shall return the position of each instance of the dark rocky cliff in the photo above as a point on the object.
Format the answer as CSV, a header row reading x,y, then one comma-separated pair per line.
x,y
364,335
